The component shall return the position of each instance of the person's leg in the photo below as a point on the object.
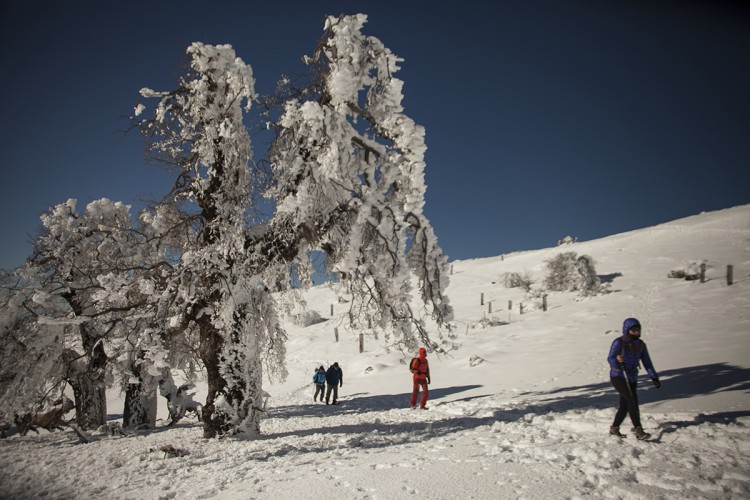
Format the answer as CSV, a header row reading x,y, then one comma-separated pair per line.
x,y
425,394
335,393
633,409
625,400
328,393
414,394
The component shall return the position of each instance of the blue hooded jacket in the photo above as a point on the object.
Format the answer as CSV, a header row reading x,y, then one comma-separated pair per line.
x,y
633,351
319,378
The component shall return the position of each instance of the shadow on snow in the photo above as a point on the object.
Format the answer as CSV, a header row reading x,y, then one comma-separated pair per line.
x,y
677,384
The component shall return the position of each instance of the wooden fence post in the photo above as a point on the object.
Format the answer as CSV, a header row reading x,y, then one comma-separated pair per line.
x,y
336,333
481,300
520,308
510,305
451,269
730,275
489,307
703,272
331,309
544,303
361,342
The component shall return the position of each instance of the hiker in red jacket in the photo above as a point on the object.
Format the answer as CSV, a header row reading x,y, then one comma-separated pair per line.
x,y
421,370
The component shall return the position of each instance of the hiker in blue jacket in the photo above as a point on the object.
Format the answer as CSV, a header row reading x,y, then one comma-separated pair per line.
x,y
625,354
334,379
319,379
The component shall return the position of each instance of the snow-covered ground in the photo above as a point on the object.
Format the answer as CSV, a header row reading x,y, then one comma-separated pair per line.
x,y
521,410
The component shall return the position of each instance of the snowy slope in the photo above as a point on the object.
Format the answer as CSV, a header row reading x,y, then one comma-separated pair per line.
x,y
521,410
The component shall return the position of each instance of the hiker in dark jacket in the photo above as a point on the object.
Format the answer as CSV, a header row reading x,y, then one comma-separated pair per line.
x,y
319,379
420,367
624,357
334,379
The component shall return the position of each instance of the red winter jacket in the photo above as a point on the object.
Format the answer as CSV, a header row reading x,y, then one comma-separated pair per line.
x,y
421,368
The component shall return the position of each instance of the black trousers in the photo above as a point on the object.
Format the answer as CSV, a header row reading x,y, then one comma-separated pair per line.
x,y
335,389
628,402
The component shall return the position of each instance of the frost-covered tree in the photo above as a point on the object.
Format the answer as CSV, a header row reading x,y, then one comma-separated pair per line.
x,y
84,311
68,310
348,168
355,194
216,285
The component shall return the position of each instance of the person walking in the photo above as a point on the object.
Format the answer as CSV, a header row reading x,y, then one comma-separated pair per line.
x,y
420,367
334,379
319,379
625,355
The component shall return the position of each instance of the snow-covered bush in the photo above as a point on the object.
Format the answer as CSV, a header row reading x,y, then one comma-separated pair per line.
x,y
488,322
534,300
306,318
475,360
690,271
568,240
569,272
518,280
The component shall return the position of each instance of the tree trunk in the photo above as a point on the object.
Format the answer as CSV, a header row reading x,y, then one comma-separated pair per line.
x,y
233,405
86,377
91,399
140,407
214,421
140,400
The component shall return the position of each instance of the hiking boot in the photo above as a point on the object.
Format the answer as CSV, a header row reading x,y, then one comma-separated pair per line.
x,y
640,434
615,431
423,408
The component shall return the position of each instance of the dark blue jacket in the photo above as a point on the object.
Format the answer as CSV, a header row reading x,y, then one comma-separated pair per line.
x,y
633,352
334,375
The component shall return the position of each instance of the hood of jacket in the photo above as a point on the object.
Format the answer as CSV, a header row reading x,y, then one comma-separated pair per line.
x,y
628,324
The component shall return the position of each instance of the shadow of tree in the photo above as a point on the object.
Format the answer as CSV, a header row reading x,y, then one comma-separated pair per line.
x,y
380,433
678,383
727,417
363,403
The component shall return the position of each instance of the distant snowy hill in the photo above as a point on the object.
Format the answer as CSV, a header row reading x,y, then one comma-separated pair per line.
x,y
520,410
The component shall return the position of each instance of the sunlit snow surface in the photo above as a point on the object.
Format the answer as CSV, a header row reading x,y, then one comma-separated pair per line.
x,y
521,410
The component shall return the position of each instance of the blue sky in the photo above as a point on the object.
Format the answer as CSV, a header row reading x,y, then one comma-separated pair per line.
x,y
544,118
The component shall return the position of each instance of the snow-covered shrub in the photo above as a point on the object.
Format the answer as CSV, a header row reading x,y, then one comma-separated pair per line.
x,y
307,318
568,240
518,280
475,360
569,272
534,300
690,271
488,322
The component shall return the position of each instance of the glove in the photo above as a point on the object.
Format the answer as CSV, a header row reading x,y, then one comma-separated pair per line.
x,y
428,381
656,382
341,384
